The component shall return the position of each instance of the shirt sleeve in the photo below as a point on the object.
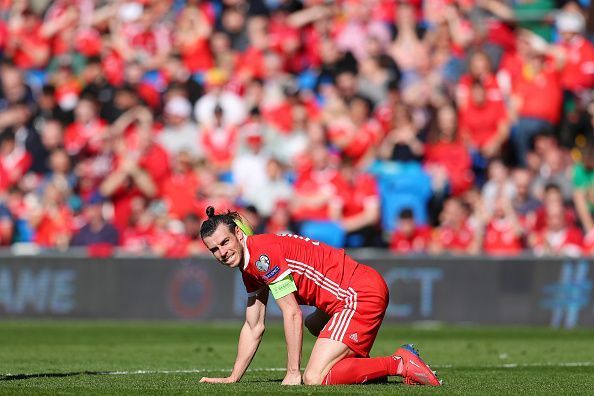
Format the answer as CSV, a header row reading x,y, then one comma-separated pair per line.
x,y
271,264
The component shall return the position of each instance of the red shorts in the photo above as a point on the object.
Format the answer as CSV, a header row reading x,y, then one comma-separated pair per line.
x,y
358,319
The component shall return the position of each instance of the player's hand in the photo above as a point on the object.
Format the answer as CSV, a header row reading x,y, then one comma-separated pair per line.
x,y
292,379
226,380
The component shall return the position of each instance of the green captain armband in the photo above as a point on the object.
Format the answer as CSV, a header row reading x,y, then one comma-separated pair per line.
x,y
244,226
283,287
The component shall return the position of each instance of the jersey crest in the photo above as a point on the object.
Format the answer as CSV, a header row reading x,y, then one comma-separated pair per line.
x,y
263,263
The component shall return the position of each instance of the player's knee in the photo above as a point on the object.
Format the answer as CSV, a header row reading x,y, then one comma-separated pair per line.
x,y
310,378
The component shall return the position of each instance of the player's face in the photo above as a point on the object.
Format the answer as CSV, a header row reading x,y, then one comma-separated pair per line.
x,y
226,246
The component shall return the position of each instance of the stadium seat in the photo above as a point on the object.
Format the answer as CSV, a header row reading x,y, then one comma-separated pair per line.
x,y
402,185
328,232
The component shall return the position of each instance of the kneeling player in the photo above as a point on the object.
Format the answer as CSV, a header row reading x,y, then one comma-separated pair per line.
x,y
298,271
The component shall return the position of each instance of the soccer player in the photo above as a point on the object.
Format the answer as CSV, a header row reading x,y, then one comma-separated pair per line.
x,y
297,271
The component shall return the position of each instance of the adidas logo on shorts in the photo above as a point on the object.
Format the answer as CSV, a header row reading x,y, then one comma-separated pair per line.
x,y
354,337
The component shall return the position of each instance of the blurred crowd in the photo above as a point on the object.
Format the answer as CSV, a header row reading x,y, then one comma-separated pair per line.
x,y
460,126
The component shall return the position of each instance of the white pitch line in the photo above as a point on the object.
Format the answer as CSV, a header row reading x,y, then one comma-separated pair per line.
x,y
282,369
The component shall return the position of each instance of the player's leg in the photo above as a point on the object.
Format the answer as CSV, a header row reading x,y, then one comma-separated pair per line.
x,y
325,354
316,321
334,363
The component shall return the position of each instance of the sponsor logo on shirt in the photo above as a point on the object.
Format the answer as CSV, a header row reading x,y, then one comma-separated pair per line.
x,y
263,263
272,272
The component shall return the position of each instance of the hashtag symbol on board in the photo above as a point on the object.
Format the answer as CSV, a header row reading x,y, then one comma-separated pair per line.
x,y
569,296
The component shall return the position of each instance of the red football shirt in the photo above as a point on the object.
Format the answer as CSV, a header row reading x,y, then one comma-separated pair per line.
x,y
578,71
546,84
417,242
481,122
501,240
321,273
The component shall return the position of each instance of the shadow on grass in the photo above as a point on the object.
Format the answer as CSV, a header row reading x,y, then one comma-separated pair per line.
x,y
15,377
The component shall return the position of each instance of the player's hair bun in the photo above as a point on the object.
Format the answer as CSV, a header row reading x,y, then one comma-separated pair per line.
x,y
210,211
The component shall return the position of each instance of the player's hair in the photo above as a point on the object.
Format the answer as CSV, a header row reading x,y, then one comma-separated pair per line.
x,y
210,225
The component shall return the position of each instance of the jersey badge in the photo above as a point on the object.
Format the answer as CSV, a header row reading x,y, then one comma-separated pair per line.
x,y
263,263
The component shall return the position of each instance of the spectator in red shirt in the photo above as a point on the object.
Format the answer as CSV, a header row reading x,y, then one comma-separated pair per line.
x,y
552,195
180,188
356,205
480,70
502,232
219,141
454,233
409,238
191,38
136,238
484,124
558,238
53,221
314,190
14,161
84,135
540,79
577,75
26,45
446,153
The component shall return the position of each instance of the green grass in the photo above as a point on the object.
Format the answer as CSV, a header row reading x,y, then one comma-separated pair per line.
x,y
67,358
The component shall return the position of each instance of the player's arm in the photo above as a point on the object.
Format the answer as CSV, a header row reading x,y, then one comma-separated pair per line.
x,y
293,324
249,337
283,290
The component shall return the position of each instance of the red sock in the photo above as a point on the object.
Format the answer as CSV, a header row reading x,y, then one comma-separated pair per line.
x,y
362,370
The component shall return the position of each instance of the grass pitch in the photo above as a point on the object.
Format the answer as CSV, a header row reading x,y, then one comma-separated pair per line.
x,y
93,357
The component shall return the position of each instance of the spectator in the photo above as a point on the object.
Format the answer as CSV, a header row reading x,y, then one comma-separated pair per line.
x,y
356,205
503,233
179,190
409,237
83,136
402,143
558,237
446,154
553,196
484,125
454,233
219,141
15,161
96,230
180,133
554,170
6,226
524,203
498,184
583,182
533,115
313,187
249,168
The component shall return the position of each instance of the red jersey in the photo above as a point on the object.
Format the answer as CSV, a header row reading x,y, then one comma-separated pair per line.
x,y
417,242
481,122
321,273
455,240
532,88
501,240
578,71
567,242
